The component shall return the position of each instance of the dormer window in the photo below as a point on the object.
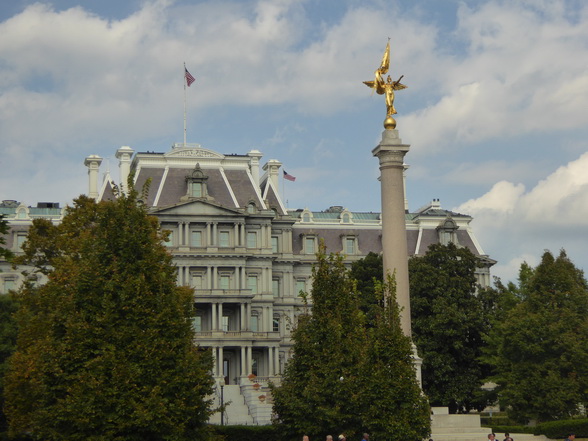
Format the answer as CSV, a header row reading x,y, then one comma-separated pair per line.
x,y
196,181
447,231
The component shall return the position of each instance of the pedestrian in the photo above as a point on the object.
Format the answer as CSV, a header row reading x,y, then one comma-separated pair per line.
x,y
329,438
342,438
491,436
305,438
366,437
571,437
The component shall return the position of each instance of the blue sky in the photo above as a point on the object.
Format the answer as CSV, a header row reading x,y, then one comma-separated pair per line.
x,y
495,109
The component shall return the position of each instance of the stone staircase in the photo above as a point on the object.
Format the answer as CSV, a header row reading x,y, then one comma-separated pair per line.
x,y
446,427
259,401
237,411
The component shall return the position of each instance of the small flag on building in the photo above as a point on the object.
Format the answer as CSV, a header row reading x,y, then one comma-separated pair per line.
x,y
189,78
289,177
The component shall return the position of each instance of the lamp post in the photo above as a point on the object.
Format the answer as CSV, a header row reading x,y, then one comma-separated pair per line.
x,y
222,386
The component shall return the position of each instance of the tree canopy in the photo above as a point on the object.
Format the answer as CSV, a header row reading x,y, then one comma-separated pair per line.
x,y
539,349
448,321
345,376
105,348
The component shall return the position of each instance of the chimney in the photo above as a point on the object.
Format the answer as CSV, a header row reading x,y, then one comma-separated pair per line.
x,y
93,163
124,155
271,168
255,156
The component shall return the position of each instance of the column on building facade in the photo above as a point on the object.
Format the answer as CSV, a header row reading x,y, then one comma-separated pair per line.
x,y
208,277
249,367
243,278
187,234
243,360
214,360
248,316
270,359
214,234
214,277
213,316
208,235
220,361
242,316
288,241
180,234
220,317
270,318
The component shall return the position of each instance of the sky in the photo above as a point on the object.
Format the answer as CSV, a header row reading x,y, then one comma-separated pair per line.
x,y
496,109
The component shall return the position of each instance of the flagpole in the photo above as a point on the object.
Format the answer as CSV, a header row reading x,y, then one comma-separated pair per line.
x,y
184,77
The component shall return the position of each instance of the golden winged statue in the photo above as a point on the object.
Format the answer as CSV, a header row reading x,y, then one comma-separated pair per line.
x,y
386,87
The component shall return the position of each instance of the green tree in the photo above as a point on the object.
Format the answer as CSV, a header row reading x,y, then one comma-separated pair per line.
x,y
345,376
105,348
366,272
7,323
4,229
448,321
539,349
8,332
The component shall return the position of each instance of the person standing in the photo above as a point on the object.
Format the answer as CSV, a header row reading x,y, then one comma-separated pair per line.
x,y
571,437
366,437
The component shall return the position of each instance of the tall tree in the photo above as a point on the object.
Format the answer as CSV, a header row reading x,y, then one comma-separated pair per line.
x,y
105,349
7,323
345,376
448,322
540,350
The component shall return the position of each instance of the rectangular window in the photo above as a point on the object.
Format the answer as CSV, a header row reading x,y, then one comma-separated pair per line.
x,y
196,189
276,324
254,323
252,284
196,238
224,281
251,240
276,287
9,285
226,323
224,239
275,248
197,323
20,240
350,245
170,239
300,286
309,247
254,366
197,281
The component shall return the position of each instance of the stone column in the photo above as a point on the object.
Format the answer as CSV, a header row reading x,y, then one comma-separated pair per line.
x,y
390,153
213,316
270,353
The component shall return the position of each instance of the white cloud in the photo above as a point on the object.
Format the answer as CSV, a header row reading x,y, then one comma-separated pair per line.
x,y
524,71
512,221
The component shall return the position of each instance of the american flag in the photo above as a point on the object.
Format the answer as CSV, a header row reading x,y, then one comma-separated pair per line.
x,y
289,177
189,78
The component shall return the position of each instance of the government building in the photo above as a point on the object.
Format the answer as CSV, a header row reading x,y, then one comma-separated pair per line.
x,y
245,254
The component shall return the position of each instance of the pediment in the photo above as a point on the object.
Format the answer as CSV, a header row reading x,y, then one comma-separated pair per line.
x,y
193,152
197,207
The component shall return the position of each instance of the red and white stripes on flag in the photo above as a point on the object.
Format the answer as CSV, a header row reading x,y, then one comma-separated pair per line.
x,y
288,177
189,78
